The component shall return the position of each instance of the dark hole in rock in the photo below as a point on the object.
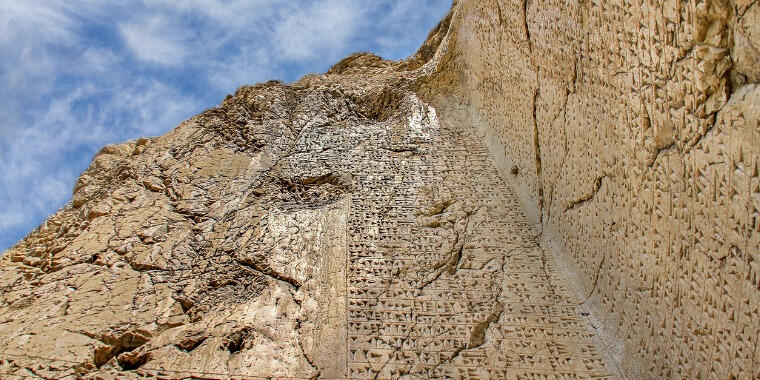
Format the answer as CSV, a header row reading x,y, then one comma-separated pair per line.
x,y
132,360
116,346
185,302
236,341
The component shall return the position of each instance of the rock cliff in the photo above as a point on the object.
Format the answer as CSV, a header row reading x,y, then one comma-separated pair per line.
x,y
546,189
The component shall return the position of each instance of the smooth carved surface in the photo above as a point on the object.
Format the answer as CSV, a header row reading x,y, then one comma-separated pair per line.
x,y
633,126
542,184
445,278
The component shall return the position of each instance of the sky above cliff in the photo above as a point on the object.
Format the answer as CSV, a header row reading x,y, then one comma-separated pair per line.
x,y
76,75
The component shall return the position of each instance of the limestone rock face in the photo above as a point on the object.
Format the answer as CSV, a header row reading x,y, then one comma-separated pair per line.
x,y
633,126
546,189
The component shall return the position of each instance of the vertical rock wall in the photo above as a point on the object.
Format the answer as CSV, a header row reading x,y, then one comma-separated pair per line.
x,y
631,130
352,225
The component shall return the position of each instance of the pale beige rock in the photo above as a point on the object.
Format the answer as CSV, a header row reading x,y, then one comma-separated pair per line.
x,y
544,190
633,127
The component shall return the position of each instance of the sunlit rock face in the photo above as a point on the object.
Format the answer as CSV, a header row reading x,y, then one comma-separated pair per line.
x,y
544,190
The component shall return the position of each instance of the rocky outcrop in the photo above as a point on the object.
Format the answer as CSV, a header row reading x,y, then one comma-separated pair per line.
x,y
544,190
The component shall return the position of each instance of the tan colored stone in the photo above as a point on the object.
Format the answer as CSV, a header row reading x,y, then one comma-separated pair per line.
x,y
546,189
636,139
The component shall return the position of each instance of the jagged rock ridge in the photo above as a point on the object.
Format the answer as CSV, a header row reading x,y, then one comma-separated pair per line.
x,y
544,190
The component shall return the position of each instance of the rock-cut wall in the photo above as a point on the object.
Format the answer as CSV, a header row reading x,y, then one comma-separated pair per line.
x,y
630,129
420,219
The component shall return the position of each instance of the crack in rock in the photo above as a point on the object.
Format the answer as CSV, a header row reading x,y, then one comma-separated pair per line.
x,y
588,197
268,272
477,335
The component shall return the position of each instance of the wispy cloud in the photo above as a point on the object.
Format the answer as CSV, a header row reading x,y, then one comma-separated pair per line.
x,y
320,28
80,74
156,39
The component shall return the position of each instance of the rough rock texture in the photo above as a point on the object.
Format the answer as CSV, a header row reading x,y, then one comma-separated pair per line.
x,y
547,189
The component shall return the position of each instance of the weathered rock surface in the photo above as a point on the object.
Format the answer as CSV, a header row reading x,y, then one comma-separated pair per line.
x,y
633,126
547,189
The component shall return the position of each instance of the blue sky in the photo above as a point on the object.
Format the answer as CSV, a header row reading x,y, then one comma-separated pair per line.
x,y
76,75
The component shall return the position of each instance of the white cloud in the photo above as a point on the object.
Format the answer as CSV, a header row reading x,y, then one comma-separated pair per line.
x,y
319,29
47,21
155,39
252,66
233,15
27,27
12,217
